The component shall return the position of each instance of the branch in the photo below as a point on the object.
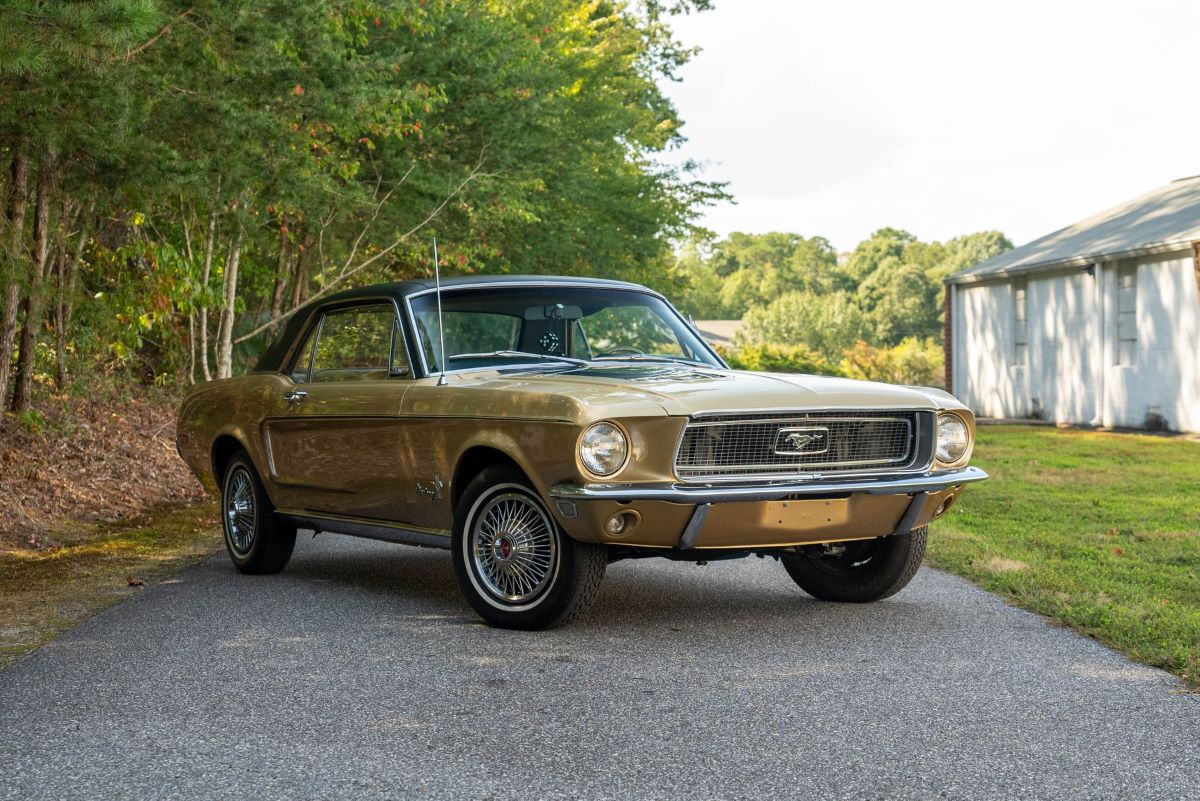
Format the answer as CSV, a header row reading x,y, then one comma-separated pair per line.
x,y
346,274
374,216
134,52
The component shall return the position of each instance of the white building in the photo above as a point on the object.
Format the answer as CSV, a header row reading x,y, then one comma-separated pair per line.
x,y
1095,324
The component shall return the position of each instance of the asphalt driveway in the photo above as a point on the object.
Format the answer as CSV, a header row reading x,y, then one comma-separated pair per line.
x,y
359,673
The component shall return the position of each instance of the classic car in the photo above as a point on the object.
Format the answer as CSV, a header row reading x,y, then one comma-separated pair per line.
x,y
540,428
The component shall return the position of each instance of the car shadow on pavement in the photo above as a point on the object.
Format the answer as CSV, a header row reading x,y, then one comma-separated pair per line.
x,y
744,596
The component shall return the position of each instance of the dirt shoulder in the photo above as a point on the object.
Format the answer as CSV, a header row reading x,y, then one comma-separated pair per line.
x,y
94,505
87,461
44,591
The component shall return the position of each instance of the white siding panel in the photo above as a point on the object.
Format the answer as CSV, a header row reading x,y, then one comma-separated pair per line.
x,y
1164,376
1076,371
1063,374
986,342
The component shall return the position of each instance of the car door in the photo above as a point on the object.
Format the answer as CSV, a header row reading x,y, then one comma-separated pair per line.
x,y
339,446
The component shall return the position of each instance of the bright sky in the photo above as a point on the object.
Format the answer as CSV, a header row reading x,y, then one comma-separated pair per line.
x,y
839,117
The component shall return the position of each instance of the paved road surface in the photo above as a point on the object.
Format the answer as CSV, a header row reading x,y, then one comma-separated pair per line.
x,y
359,673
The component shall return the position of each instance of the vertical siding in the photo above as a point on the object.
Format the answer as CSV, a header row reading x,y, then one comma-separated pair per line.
x,y
985,374
1071,374
1062,375
1164,378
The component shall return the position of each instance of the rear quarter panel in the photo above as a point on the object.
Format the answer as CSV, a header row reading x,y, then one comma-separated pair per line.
x,y
233,407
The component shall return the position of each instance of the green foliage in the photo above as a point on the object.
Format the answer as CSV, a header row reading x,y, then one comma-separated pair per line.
x,y
913,362
795,291
770,358
823,323
725,279
31,420
317,146
917,362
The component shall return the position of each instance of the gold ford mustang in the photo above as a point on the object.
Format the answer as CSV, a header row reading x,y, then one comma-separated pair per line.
x,y
540,428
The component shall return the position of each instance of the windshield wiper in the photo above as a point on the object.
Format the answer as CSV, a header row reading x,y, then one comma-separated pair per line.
x,y
510,354
650,357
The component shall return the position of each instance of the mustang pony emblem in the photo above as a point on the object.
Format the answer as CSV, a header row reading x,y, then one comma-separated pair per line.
x,y
802,441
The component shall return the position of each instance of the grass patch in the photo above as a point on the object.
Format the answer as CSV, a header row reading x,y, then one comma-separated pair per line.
x,y
43,592
1099,531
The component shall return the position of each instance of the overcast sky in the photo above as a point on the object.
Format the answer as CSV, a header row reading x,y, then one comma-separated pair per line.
x,y
838,118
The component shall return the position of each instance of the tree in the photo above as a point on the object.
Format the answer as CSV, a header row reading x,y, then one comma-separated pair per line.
x,y
208,167
901,301
884,244
61,101
825,323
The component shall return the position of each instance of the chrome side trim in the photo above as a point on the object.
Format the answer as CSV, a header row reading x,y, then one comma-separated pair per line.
x,y
931,481
370,529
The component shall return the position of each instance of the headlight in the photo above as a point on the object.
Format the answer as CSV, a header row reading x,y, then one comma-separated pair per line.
x,y
953,440
603,449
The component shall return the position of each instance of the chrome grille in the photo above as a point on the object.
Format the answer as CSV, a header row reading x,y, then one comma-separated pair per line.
x,y
770,443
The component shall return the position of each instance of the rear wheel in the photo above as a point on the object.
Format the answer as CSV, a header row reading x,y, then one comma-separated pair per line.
x,y
257,540
514,564
859,571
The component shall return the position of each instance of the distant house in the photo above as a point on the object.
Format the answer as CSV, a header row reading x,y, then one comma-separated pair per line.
x,y
1095,324
719,332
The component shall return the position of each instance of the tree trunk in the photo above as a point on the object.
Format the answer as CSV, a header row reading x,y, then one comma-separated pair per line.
x,y
228,310
300,276
281,276
65,302
15,262
191,338
60,321
191,360
35,297
206,275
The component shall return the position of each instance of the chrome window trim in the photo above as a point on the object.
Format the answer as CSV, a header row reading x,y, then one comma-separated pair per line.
x,y
426,373
317,321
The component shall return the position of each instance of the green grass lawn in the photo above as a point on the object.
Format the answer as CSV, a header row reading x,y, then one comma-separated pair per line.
x,y
1099,531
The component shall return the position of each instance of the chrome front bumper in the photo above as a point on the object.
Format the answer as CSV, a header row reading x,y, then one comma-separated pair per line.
x,y
931,481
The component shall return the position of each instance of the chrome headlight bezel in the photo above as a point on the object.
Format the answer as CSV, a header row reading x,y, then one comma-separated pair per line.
x,y
603,449
953,443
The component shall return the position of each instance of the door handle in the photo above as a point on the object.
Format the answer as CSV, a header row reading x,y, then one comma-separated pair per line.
x,y
295,395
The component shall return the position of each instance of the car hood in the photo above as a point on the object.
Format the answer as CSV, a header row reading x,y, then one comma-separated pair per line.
x,y
687,390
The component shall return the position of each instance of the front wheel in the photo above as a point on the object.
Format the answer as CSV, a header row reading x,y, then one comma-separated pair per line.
x,y
859,571
514,565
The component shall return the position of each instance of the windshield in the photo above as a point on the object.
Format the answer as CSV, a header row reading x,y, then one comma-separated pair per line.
x,y
498,326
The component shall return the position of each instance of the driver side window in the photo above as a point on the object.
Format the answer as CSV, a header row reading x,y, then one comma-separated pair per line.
x,y
361,343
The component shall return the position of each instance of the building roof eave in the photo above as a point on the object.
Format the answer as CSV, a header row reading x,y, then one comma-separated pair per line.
x,y
1075,262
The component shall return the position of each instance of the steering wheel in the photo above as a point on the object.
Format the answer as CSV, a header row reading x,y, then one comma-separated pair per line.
x,y
623,349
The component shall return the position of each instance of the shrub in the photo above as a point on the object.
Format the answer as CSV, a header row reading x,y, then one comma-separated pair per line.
x,y
772,358
913,361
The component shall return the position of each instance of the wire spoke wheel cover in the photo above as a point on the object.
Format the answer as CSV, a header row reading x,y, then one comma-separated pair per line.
x,y
241,510
512,547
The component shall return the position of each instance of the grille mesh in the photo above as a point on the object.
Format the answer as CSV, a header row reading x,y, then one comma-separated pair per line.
x,y
758,444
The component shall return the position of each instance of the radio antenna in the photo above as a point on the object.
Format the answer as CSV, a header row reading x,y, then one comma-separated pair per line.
x,y
437,277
